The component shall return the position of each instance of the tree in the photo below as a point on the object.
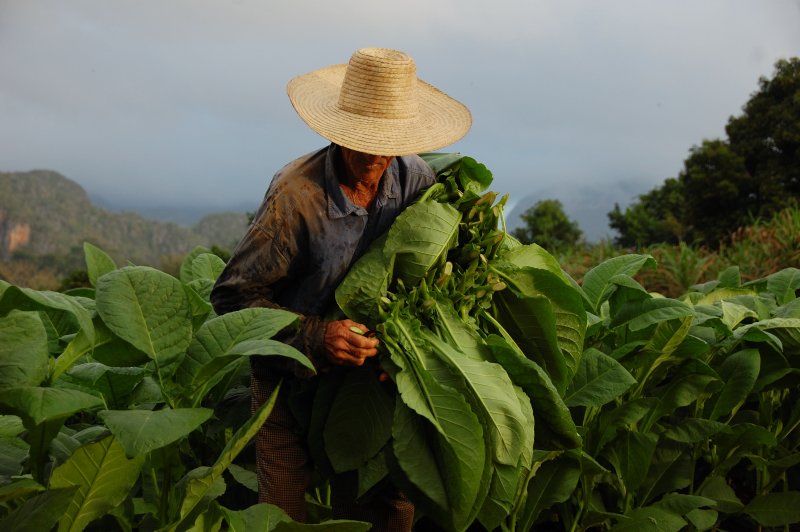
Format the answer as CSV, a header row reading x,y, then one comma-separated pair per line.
x,y
657,216
546,224
719,194
727,183
767,136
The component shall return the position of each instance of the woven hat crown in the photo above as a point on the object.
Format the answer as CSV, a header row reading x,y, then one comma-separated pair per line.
x,y
380,83
376,104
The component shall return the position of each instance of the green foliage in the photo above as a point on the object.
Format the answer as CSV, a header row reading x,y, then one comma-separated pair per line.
x,y
726,183
546,224
718,192
657,216
767,136
520,398
116,404
757,250
455,301
654,413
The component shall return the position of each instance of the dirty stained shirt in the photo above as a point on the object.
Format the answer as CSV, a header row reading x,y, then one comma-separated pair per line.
x,y
305,236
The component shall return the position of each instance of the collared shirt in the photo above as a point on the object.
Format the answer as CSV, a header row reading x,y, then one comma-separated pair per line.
x,y
306,234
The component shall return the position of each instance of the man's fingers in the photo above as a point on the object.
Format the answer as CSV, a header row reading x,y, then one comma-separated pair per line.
x,y
354,355
362,342
345,346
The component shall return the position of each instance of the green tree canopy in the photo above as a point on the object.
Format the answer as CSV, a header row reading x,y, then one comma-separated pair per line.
x,y
546,224
725,184
656,217
767,136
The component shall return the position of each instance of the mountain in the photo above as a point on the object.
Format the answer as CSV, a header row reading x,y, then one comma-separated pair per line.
x,y
44,214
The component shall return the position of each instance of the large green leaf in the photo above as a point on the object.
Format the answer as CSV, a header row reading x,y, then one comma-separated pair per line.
x,y
23,350
554,482
716,488
419,237
245,477
187,272
693,430
471,172
599,380
683,390
670,469
440,162
549,409
224,339
501,499
608,423
784,285
207,266
508,483
598,284
489,390
104,477
669,344
643,313
15,298
545,317
268,518
40,512
148,309
451,479
80,345
451,327
739,371
631,455
16,489
531,322
360,420
535,256
702,519
13,454
733,314
741,441
682,504
775,509
442,462
198,486
650,519
787,331
141,431
98,262
359,294
115,385
36,405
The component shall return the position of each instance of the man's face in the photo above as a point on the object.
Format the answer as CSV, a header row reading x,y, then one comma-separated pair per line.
x,y
363,166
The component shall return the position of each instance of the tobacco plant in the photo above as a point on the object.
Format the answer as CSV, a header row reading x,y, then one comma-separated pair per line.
x,y
126,406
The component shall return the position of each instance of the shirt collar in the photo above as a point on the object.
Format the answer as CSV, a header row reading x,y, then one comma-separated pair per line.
x,y
340,205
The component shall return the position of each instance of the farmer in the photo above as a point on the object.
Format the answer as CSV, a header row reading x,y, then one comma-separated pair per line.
x,y
319,215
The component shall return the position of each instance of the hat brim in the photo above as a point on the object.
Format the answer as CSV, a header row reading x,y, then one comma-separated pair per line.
x,y
441,120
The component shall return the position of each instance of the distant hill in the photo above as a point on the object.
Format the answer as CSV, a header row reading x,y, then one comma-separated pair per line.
x,y
44,214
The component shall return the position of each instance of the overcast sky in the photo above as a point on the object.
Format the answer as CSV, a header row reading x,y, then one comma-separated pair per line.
x,y
179,102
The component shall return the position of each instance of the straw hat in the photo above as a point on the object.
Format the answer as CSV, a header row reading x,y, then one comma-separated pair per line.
x,y
376,105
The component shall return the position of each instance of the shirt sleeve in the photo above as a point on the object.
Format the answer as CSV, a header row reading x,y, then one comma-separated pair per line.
x,y
261,264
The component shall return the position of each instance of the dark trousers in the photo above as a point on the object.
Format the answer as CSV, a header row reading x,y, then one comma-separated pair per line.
x,y
284,472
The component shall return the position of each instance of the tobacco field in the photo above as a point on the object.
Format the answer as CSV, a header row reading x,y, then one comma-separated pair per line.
x,y
518,398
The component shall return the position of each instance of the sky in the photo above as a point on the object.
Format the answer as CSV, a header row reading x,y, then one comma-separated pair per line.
x,y
182,103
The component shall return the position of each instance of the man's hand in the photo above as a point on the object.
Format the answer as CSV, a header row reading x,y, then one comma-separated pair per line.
x,y
347,348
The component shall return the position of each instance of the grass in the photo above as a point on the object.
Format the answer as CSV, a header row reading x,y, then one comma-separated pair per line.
x,y
758,249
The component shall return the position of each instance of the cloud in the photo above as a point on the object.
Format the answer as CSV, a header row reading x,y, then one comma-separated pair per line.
x,y
185,99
